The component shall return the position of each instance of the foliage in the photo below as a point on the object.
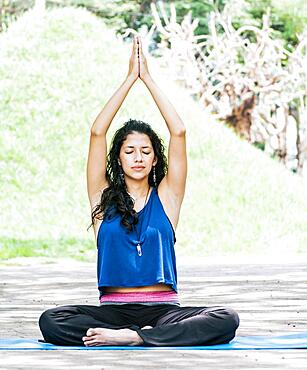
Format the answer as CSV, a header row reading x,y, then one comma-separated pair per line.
x,y
55,75
256,86
11,9
47,74
289,17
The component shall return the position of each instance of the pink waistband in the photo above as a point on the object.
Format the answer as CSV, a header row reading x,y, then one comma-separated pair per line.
x,y
162,296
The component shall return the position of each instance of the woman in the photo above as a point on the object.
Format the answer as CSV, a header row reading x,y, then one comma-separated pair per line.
x,y
136,198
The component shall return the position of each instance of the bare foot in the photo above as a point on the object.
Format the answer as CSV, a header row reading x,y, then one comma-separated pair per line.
x,y
111,337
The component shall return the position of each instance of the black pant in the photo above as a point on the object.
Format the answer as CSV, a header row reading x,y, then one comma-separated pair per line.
x,y
172,325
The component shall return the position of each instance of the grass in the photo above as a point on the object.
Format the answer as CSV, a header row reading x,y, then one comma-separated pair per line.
x,y
56,74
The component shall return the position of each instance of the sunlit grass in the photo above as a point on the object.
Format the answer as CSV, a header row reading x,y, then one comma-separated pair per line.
x,y
79,249
56,74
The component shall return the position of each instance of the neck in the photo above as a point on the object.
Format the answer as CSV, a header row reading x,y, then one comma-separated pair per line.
x,y
138,189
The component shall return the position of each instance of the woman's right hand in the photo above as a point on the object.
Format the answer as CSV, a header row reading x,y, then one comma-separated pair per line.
x,y
133,71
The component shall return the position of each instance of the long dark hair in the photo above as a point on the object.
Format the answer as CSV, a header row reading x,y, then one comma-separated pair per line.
x,y
115,199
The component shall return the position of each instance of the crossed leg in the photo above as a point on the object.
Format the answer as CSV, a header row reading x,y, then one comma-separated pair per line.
x,y
191,326
87,325
179,326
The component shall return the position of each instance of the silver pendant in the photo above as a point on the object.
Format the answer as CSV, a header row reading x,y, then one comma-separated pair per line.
x,y
139,249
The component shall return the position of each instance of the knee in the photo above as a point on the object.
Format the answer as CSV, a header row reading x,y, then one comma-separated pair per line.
x,y
47,322
232,319
226,316
226,324
46,317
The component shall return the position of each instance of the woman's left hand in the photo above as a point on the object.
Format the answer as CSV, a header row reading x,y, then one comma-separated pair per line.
x,y
143,68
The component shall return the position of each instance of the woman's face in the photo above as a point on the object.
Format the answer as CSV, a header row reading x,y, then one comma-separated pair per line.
x,y
137,156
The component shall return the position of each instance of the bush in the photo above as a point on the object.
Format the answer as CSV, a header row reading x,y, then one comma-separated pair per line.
x,y
288,16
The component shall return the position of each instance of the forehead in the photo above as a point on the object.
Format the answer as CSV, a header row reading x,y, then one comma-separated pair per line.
x,y
136,139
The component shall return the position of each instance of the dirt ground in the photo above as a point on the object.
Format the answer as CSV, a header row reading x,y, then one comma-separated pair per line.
x,y
270,298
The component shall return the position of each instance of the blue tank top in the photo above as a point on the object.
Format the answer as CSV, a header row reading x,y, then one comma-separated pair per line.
x,y
119,263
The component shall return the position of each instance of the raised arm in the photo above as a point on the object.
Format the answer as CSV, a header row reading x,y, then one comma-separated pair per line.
x,y
175,179
96,164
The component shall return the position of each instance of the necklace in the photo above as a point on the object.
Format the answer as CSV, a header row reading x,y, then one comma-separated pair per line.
x,y
138,246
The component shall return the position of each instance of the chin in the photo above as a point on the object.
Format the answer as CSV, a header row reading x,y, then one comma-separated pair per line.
x,y
138,176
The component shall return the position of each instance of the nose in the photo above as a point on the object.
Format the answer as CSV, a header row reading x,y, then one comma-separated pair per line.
x,y
138,156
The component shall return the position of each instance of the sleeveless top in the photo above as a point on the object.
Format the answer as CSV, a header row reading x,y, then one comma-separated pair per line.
x,y
119,263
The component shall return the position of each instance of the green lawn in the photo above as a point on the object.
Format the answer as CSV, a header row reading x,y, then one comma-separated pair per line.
x,y
55,75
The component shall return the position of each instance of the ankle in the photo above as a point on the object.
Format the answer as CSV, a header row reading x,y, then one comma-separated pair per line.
x,y
136,339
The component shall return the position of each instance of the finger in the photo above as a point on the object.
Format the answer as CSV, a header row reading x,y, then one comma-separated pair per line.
x,y
134,45
142,55
136,39
140,44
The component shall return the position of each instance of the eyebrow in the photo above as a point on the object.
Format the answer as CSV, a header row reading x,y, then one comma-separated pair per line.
x,y
144,147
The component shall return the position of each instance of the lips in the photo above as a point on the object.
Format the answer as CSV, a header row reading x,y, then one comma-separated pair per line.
x,y
138,168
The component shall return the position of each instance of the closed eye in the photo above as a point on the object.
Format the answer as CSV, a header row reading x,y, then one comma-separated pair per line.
x,y
147,153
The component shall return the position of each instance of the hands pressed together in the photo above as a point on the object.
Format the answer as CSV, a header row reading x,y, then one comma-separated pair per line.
x,y
137,64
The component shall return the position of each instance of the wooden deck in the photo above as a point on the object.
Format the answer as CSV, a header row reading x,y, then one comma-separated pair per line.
x,y
270,299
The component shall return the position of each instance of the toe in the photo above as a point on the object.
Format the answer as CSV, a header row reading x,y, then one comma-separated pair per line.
x,y
90,332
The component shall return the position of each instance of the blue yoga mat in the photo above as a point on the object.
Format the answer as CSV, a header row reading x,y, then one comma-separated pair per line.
x,y
290,341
